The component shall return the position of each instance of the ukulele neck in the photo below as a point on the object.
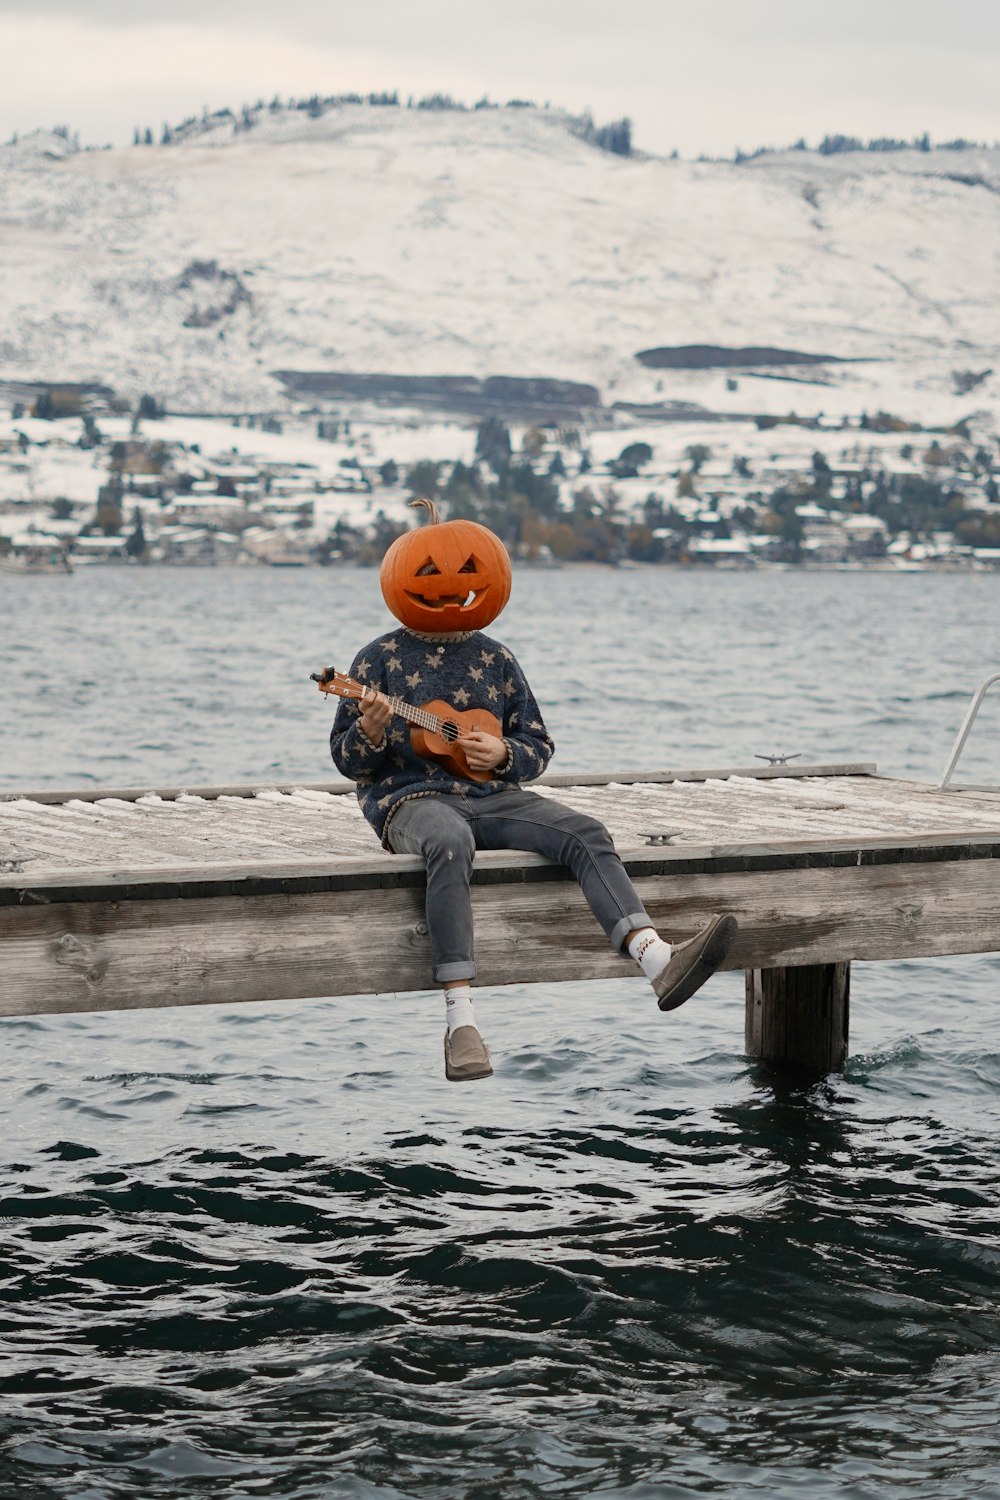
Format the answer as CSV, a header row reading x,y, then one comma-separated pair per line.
x,y
414,715
338,683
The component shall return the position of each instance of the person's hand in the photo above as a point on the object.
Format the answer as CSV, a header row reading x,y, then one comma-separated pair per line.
x,y
375,715
483,752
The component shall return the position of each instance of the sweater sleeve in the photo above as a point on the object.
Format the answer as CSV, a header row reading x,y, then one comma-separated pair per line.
x,y
528,742
353,755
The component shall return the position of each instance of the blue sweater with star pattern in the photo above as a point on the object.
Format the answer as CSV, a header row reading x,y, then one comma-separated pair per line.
x,y
473,671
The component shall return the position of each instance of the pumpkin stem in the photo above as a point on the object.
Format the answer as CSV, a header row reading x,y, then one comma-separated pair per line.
x,y
433,519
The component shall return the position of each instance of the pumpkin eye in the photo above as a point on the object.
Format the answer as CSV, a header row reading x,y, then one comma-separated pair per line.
x,y
428,568
469,567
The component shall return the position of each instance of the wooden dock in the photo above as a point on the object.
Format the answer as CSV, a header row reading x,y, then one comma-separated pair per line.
x,y
111,899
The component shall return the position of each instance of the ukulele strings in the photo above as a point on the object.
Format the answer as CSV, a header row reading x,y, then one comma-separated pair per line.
x,y
418,716
407,711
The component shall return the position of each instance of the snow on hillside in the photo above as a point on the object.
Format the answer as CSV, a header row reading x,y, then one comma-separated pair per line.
x,y
495,243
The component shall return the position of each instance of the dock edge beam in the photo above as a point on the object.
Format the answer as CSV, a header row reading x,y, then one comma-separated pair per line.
x,y
799,1018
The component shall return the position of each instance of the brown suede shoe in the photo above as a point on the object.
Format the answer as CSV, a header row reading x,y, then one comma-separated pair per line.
x,y
466,1055
691,963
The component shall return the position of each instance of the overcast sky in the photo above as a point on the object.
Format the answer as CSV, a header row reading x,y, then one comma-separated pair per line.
x,y
698,75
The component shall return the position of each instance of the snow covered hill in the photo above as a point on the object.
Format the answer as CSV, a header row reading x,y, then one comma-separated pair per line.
x,y
497,243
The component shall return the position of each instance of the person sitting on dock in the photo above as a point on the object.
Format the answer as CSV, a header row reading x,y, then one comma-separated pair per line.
x,y
453,784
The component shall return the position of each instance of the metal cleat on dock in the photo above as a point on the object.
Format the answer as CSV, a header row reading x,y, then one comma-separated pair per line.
x,y
778,760
664,836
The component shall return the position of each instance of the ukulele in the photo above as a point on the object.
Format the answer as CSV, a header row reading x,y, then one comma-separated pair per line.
x,y
435,726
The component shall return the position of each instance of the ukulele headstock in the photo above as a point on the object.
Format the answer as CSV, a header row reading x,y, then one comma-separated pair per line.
x,y
337,683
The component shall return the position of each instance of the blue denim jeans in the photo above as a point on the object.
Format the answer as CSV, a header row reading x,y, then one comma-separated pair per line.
x,y
447,830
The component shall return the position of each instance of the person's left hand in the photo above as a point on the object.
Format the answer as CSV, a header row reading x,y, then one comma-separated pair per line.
x,y
483,752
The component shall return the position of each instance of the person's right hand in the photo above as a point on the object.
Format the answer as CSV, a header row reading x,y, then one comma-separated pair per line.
x,y
375,715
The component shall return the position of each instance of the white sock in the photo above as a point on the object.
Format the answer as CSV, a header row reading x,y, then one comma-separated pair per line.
x,y
458,1007
650,951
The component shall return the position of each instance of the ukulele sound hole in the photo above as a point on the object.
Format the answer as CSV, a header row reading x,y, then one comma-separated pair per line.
x,y
449,731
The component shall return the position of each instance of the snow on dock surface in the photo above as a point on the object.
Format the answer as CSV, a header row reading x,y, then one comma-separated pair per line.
x,y
40,839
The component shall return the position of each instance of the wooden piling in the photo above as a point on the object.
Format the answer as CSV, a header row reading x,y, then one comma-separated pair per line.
x,y
799,1017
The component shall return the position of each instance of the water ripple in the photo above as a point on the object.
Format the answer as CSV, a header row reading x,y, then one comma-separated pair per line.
x,y
268,1251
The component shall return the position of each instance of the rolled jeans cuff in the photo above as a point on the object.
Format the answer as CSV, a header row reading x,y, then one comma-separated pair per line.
x,y
460,969
621,929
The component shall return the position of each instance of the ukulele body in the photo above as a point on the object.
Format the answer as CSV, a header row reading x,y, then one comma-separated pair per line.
x,y
431,746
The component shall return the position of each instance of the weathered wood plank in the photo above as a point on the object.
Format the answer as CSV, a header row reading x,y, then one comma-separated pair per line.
x,y
38,839
340,788
799,1017
79,841
115,954
198,878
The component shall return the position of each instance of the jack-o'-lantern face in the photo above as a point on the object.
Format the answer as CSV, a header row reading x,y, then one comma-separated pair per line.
x,y
448,575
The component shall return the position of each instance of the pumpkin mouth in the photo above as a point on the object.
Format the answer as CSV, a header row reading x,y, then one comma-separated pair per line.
x,y
450,601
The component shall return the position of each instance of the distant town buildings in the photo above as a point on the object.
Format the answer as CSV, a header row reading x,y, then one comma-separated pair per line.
x,y
108,487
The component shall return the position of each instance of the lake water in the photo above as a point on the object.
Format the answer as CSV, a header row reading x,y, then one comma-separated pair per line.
x,y
268,1251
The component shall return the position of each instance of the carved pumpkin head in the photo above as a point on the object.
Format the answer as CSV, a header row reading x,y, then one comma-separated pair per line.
x,y
447,575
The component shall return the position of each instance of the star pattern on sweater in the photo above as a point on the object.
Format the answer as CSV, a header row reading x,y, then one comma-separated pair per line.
x,y
411,667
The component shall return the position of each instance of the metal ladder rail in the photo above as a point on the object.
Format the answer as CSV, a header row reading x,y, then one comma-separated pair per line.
x,y
963,733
